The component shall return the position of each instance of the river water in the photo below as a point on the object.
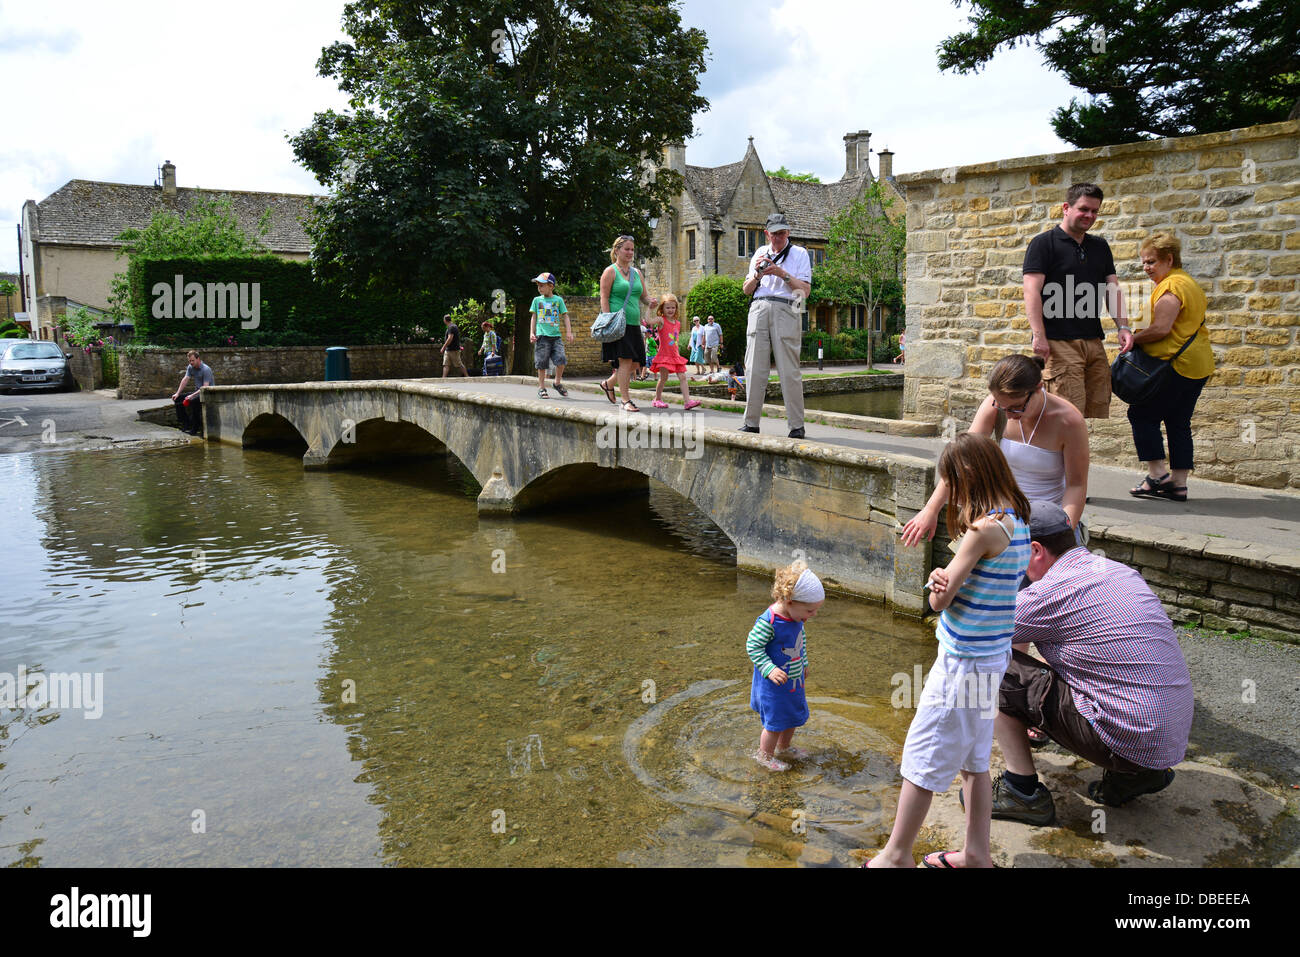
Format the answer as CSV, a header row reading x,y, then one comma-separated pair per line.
x,y
350,668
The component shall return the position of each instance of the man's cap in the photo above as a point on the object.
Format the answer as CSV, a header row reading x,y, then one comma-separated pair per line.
x,y
776,222
545,277
1047,519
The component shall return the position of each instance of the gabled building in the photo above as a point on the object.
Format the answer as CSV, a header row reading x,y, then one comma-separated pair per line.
x,y
69,240
716,223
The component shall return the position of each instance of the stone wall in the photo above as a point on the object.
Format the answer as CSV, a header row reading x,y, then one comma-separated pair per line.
x,y
1232,198
156,372
583,353
86,367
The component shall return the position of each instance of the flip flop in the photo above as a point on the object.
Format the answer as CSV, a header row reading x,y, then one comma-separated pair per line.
x,y
609,392
943,860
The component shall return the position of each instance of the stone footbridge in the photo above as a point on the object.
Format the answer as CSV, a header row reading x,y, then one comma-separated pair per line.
x,y
775,498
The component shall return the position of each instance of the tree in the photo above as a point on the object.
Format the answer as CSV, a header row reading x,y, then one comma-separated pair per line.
x,y
1160,68
784,173
864,253
7,289
487,141
723,298
208,228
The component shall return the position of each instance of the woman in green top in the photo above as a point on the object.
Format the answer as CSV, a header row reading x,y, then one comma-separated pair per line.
x,y
1177,314
621,288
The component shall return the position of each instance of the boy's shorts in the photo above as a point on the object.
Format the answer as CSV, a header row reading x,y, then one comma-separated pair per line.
x,y
548,350
953,727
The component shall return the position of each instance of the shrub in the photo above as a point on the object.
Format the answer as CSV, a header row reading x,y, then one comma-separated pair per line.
x,y
723,298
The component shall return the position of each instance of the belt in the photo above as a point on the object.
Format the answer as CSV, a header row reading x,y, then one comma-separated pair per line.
x,y
788,302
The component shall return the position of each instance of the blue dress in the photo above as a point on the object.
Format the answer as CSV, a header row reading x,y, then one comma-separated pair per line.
x,y
780,706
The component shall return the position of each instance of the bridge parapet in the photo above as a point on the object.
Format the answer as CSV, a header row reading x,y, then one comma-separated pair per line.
x,y
777,499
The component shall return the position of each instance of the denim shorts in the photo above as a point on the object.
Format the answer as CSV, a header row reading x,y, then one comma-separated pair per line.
x,y
548,350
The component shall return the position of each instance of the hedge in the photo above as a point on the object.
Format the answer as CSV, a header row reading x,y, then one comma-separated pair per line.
x,y
291,308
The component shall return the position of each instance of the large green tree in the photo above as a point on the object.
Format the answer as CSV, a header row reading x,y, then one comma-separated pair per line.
x,y
864,256
488,141
1151,69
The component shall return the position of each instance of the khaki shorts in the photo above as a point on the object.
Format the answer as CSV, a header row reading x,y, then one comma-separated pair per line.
x,y
452,362
1079,372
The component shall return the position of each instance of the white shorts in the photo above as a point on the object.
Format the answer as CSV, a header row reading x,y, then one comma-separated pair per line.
x,y
953,727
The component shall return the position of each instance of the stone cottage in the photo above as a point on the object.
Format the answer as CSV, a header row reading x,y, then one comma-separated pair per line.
x,y
716,222
68,241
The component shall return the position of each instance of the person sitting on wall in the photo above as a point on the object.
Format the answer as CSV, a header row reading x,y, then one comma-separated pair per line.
x,y
1114,687
189,410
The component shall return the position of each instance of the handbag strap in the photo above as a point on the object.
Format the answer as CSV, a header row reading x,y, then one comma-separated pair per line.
x,y
1188,342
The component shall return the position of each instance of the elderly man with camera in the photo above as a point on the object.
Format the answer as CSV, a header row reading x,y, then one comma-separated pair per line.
x,y
779,279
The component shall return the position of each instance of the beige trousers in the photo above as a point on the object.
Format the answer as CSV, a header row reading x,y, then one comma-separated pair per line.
x,y
773,330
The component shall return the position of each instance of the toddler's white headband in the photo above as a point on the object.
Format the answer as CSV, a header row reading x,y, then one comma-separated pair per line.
x,y
809,588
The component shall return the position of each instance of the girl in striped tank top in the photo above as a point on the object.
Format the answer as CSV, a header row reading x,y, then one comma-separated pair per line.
x,y
976,598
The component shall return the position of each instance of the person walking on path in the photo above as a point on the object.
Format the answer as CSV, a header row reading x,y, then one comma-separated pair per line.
x,y
548,349
452,361
621,288
1113,687
1177,315
669,361
712,338
779,277
189,410
1069,277
697,345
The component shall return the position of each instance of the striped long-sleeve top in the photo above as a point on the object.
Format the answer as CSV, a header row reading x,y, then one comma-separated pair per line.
x,y
777,642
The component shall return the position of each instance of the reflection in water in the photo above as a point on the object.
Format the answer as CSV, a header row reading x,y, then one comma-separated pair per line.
x,y
352,668
881,403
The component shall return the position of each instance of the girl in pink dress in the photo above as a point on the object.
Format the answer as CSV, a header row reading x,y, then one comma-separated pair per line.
x,y
670,359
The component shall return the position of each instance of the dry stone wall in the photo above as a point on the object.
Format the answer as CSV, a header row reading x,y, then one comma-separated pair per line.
x,y
1232,198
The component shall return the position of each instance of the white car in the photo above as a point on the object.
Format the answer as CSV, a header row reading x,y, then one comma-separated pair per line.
x,y
32,364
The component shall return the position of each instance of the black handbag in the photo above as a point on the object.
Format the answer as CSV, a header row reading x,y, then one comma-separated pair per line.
x,y
1135,376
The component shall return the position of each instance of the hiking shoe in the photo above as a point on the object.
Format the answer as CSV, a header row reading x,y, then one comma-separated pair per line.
x,y
1115,789
1040,810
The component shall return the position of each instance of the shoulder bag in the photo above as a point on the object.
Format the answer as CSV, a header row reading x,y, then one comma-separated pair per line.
x,y
1136,376
612,326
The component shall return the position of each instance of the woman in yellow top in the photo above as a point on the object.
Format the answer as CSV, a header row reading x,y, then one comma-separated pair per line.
x,y
1177,314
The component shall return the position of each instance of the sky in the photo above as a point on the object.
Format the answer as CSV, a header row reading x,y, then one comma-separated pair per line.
x,y
108,91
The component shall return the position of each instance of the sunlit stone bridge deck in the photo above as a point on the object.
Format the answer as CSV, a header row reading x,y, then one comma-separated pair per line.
x,y
775,498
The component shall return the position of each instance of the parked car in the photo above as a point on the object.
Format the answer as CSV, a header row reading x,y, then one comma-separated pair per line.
x,y
33,364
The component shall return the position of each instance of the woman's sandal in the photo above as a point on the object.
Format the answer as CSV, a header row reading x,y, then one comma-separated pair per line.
x,y
630,407
609,392
1155,488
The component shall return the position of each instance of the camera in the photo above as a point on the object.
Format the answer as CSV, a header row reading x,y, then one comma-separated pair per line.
x,y
762,264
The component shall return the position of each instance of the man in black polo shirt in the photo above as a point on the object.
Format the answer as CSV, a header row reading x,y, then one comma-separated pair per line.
x,y
1069,278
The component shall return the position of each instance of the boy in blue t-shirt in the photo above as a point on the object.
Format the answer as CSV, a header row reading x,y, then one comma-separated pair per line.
x,y
546,311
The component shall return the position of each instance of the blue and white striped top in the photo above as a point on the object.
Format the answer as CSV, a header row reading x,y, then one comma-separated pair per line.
x,y
982,617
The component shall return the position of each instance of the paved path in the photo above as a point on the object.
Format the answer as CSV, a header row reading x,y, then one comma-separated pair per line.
x,y
1240,512
40,421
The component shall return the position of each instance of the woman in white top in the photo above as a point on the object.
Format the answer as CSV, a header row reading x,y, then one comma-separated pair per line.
x,y
1045,442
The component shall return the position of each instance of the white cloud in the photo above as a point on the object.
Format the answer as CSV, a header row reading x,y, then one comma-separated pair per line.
x,y
110,90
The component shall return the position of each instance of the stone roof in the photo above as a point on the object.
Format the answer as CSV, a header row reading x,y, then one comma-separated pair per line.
x,y
711,187
87,213
810,206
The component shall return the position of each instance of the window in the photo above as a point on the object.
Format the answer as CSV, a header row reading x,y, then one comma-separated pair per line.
x,y
816,256
690,244
857,316
748,241
877,319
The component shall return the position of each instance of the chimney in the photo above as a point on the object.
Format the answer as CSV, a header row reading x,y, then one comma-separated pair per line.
x,y
675,158
169,178
856,150
886,163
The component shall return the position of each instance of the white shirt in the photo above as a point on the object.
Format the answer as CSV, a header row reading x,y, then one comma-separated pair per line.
x,y
796,264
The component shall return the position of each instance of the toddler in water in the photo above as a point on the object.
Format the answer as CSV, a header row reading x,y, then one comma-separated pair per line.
x,y
976,596
776,646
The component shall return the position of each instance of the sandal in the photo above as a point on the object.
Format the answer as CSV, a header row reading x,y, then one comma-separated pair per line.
x,y
562,390
541,394
659,405
609,391
1037,738
630,407
692,404
1153,488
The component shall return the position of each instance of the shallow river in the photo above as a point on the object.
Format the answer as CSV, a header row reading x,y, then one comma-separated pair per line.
x,y
349,668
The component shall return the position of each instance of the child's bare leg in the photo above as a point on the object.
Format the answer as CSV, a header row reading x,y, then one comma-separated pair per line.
x,y
767,741
913,806
559,374
784,738
659,389
977,791
541,378
684,384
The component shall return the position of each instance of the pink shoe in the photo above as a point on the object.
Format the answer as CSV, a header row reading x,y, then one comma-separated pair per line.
x,y
659,405
692,404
